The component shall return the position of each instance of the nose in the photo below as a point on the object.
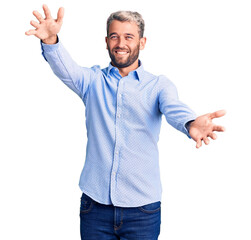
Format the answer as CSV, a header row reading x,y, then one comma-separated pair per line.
x,y
121,42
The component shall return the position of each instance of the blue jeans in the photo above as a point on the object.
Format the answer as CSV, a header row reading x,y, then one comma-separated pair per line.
x,y
107,222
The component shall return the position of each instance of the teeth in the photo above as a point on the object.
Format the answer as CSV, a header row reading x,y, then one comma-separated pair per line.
x,y
122,53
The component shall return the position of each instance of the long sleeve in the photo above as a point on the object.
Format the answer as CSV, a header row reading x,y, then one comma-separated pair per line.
x,y
74,76
176,113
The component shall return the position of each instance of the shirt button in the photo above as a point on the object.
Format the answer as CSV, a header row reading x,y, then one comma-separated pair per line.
x,y
114,173
120,95
117,152
118,115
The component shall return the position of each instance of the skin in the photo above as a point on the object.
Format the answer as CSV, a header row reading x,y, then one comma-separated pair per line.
x,y
123,44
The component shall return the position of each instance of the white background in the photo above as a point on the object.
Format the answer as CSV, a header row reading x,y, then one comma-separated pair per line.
x,y
202,46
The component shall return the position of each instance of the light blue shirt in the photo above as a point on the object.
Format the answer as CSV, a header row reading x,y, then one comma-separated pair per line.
x,y
123,120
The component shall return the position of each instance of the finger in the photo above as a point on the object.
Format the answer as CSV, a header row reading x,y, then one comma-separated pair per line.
x,y
34,24
212,135
217,114
60,15
38,16
198,143
219,128
31,32
47,12
206,140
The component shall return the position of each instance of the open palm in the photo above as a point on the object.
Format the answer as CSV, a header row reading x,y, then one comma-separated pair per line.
x,y
47,28
203,127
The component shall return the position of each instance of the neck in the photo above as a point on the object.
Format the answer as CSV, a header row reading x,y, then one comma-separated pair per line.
x,y
125,71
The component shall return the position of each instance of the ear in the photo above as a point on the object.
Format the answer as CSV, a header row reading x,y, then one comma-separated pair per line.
x,y
142,43
106,40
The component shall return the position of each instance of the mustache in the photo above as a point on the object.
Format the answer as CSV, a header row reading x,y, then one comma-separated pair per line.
x,y
121,49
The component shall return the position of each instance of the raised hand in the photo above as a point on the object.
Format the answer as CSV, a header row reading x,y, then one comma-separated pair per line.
x,y
203,127
47,28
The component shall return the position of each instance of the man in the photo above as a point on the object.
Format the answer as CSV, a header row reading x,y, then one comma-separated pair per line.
x,y
120,181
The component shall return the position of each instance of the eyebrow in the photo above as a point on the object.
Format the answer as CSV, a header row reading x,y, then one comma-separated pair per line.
x,y
114,33
130,34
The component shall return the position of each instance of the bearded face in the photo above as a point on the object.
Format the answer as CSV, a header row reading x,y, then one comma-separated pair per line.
x,y
124,44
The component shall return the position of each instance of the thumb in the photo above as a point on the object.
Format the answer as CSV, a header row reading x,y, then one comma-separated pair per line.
x,y
217,114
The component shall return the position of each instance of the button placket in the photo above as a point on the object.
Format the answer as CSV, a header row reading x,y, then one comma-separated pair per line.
x,y
117,141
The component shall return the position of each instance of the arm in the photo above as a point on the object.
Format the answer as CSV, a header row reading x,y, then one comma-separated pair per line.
x,y
65,68
182,117
176,112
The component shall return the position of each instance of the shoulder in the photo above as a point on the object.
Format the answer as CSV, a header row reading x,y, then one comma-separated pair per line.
x,y
165,83
166,88
93,72
96,69
162,79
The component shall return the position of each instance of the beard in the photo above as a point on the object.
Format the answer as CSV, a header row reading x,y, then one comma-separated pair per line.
x,y
119,62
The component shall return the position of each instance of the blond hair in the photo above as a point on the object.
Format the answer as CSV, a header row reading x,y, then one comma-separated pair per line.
x,y
127,16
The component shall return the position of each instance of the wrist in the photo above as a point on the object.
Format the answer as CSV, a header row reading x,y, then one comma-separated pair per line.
x,y
51,40
188,125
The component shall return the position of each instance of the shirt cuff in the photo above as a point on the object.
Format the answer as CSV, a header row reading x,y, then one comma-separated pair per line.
x,y
49,47
187,127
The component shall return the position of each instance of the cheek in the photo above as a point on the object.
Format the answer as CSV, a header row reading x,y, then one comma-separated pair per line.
x,y
110,45
135,48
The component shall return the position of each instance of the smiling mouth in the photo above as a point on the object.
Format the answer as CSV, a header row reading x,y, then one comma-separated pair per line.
x,y
121,53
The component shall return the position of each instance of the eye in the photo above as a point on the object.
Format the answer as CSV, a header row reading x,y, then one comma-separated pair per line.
x,y
129,37
113,37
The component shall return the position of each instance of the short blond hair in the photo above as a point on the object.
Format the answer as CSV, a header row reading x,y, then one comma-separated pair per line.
x,y
127,16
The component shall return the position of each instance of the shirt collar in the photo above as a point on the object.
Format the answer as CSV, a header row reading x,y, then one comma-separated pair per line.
x,y
138,73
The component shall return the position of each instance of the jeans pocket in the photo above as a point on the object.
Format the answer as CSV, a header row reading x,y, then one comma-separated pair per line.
x,y
86,204
151,208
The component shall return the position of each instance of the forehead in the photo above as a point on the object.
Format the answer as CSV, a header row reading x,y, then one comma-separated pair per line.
x,y
123,27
